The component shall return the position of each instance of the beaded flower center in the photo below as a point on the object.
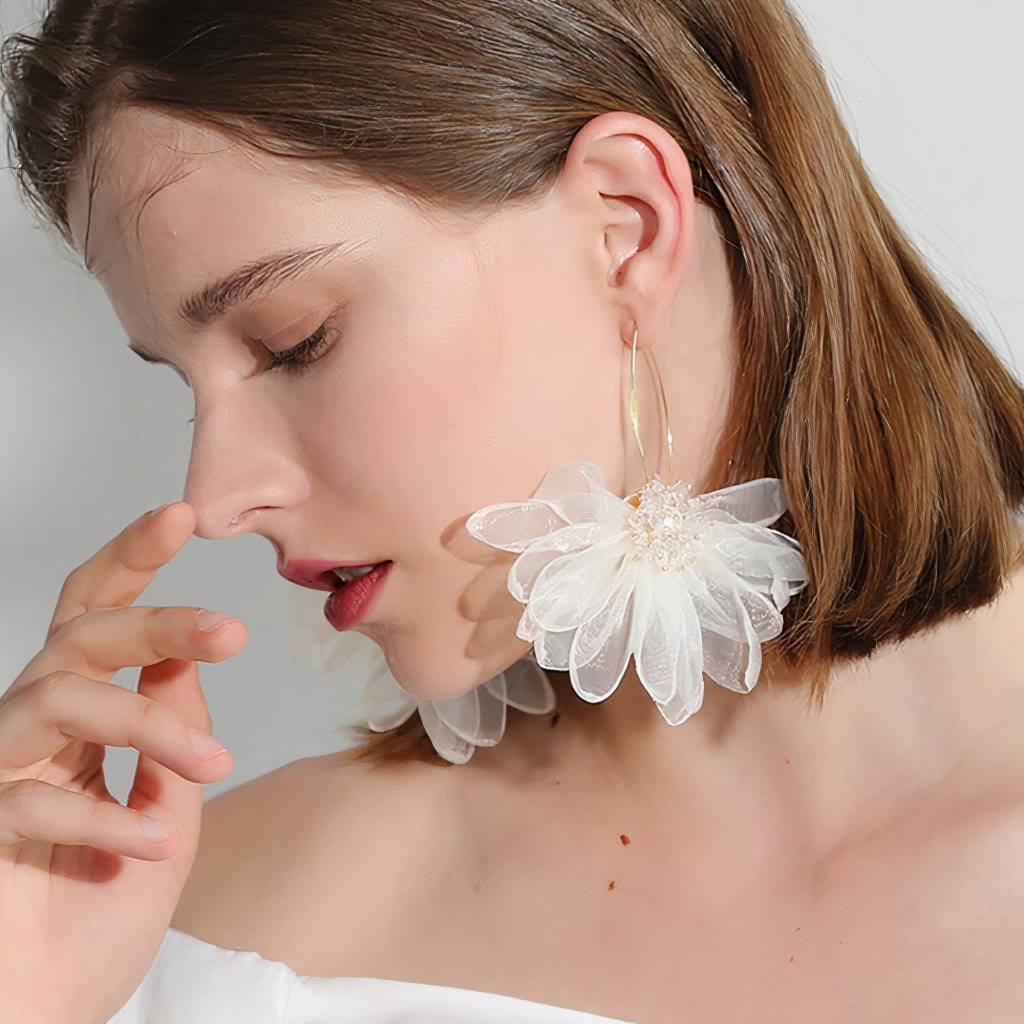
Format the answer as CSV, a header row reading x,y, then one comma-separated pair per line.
x,y
666,527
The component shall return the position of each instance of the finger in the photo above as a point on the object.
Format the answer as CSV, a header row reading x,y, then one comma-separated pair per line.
x,y
156,790
40,721
119,572
98,644
33,810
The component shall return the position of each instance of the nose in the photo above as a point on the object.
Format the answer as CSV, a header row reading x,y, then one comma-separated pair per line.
x,y
240,470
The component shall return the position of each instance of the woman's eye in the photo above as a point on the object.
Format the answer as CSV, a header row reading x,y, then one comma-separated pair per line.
x,y
300,357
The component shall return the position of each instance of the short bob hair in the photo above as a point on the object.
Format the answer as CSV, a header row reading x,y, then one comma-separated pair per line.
x,y
898,433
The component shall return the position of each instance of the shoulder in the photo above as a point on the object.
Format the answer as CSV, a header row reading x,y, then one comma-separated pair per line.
x,y
302,842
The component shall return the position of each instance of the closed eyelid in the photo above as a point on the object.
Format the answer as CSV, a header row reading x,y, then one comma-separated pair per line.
x,y
311,319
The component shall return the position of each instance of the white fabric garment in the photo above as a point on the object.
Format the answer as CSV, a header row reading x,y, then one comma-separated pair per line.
x,y
194,982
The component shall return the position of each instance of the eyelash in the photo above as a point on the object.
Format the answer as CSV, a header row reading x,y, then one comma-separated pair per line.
x,y
299,358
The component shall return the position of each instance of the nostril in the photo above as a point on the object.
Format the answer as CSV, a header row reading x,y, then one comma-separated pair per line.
x,y
247,518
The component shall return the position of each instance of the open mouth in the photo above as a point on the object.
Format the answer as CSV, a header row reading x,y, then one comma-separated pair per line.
x,y
350,575
319,574
354,593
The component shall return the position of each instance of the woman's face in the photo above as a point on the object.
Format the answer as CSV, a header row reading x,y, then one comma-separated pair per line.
x,y
450,362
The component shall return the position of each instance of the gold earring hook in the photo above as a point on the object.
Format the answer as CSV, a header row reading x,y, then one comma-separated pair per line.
x,y
634,405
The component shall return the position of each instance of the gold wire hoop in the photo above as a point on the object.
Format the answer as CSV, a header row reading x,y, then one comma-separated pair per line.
x,y
634,404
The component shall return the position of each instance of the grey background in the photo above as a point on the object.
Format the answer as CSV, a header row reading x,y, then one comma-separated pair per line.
x,y
90,437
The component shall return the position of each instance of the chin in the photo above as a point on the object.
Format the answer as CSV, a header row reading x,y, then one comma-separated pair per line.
x,y
431,670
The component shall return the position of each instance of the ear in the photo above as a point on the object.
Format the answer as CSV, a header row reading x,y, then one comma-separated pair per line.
x,y
634,187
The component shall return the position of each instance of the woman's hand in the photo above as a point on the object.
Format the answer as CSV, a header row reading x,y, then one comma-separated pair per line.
x,y
88,887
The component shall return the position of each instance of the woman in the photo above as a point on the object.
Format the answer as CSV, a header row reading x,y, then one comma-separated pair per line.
x,y
460,289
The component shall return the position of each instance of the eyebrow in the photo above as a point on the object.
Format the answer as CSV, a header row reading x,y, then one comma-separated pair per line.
x,y
215,300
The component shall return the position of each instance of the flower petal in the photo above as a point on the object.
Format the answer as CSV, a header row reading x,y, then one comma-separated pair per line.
x,y
733,661
525,687
767,559
732,608
450,746
527,629
529,565
329,651
573,588
386,704
733,666
581,506
679,708
552,650
478,716
669,653
601,648
568,477
759,502
514,526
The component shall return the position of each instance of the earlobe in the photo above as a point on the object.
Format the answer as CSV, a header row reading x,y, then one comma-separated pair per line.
x,y
635,179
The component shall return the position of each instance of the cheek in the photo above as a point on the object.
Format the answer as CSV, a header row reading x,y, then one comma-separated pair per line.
x,y
455,388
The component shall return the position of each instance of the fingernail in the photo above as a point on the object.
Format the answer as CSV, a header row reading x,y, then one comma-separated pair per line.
x,y
209,621
157,511
156,830
204,744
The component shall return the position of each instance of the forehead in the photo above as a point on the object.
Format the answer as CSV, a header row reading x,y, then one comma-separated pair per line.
x,y
162,207
146,169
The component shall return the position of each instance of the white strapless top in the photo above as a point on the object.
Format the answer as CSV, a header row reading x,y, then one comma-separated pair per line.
x,y
194,982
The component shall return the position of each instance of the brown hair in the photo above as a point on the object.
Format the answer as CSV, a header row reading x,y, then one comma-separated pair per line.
x,y
896,430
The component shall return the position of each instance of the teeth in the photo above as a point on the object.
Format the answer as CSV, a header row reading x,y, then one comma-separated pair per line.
x,y
354,573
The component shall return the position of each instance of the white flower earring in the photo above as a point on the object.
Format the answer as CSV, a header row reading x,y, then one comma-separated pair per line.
x,y
686,586
457,726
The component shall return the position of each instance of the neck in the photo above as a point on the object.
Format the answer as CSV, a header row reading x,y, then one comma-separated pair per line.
x,y
892,729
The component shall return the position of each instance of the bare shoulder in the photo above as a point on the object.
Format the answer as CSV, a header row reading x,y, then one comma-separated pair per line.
x,y
303,848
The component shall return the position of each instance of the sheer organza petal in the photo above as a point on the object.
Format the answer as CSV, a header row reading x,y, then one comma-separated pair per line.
x,y
448,744
736,663
532,562
718,611
647,636
572,589
770,560
526,688
328,650
581,506
758,502
732,618
327,655
386,704
592,638
678,709
601,648
477,717
567,477
552,650
515,526
528,629
765,619
725,661
669,649
688,689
